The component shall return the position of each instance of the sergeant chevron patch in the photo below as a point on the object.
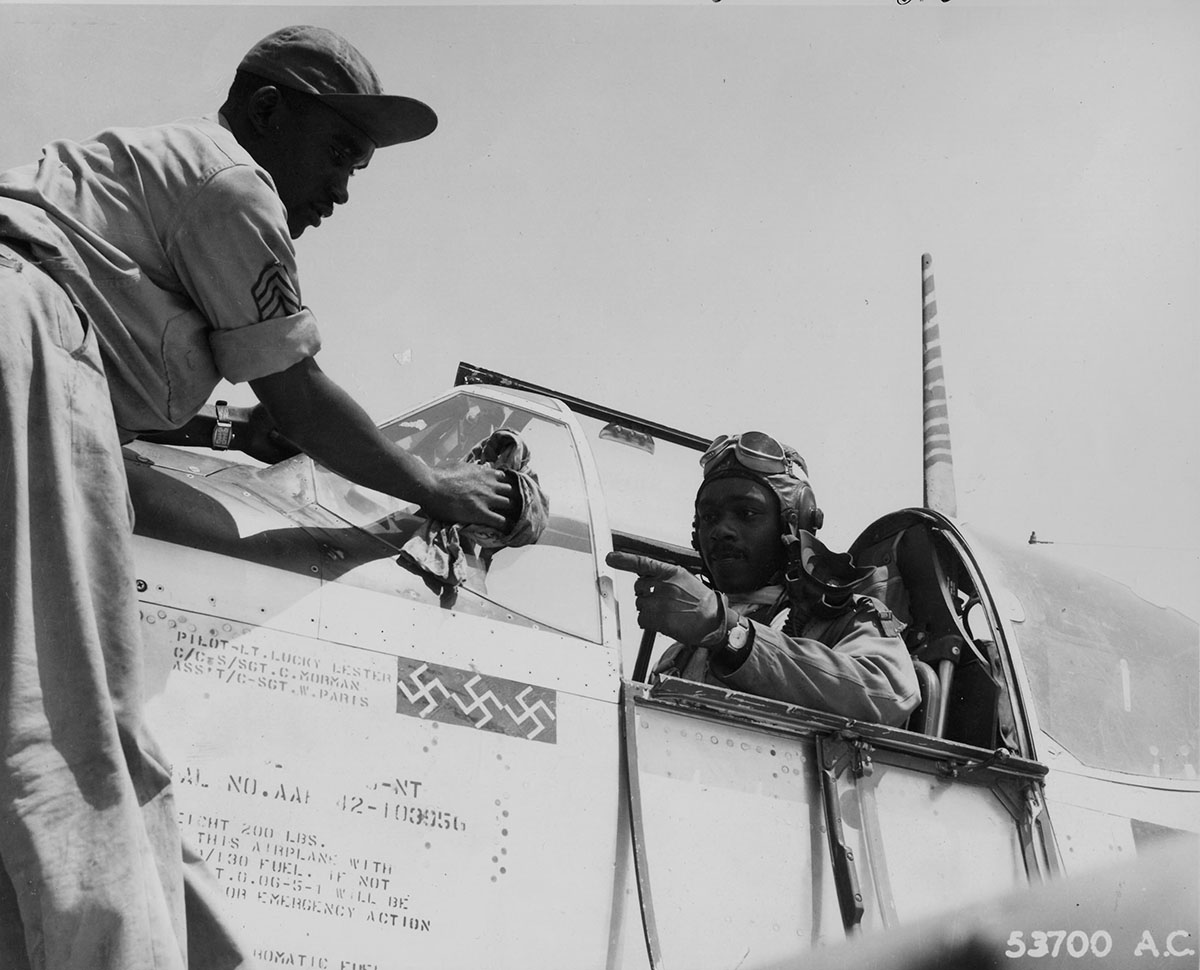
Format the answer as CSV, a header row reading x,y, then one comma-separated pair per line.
x,y
275,294
449,695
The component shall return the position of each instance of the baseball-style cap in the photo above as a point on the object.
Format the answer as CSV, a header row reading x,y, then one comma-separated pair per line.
x,y
325,65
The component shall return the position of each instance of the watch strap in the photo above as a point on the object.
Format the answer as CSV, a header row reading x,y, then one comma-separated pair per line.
x,y
222,436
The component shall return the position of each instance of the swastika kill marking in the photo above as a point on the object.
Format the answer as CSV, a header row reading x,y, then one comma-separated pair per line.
x,y
448,695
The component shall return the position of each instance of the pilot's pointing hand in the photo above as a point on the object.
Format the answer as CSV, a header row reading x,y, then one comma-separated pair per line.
x,y
670,600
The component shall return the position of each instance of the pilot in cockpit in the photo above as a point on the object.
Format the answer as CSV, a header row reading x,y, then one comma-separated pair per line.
x,y
784,617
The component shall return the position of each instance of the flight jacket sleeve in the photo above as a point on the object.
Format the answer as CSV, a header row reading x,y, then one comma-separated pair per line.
x,y
862,672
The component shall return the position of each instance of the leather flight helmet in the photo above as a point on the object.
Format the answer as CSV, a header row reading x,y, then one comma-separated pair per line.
x,y
776,466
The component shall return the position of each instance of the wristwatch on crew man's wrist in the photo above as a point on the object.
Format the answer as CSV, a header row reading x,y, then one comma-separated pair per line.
x,y
222,436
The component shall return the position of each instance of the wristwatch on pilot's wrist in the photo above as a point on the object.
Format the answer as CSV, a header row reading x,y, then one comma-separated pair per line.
x,y
222,436
738,635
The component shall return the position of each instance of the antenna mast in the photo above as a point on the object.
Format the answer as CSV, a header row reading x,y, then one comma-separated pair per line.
x,y
939,464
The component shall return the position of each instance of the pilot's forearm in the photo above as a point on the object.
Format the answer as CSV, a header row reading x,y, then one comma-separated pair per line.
x,y
868,676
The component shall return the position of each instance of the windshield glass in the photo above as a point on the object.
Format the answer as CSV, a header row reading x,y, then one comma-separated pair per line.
x,y
552,583
1114,678
649,483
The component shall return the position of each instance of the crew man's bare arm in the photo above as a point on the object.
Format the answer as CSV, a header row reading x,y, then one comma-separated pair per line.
x,y
319,417
303,409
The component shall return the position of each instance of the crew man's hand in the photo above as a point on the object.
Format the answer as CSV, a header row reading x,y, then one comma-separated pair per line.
x,y
671,600
465,492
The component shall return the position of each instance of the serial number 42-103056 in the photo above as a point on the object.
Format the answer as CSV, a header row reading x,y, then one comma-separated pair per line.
x,y
1077,943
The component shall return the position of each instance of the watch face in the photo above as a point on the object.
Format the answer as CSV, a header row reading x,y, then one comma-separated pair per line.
x,y
737,637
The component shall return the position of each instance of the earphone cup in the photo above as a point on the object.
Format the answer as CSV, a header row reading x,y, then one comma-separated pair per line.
x,y
811,517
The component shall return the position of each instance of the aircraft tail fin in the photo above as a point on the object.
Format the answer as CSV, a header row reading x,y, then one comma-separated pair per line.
x,y
939,463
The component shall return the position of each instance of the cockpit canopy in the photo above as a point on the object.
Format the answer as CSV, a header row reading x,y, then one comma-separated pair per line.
x,y
1113,679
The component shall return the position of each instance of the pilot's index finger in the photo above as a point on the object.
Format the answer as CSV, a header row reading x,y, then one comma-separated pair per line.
x,y
642,565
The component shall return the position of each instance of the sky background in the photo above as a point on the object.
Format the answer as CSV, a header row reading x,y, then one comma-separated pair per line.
x,y
713,215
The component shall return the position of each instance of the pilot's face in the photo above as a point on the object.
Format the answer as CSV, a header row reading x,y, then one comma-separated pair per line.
x,y
739,530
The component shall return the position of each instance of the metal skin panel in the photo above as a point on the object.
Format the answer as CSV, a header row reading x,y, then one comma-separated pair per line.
x,y
1100,822
735,843
234,589
354,615
737,852
346,829
941,844
1162,808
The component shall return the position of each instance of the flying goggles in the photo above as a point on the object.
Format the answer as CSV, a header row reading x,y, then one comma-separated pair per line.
x,y
755,450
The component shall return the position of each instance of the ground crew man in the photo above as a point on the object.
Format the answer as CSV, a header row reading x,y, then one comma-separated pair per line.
x,y
784,617
137,269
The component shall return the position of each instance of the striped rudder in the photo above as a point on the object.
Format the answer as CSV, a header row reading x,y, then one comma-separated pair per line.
x,y
939,464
